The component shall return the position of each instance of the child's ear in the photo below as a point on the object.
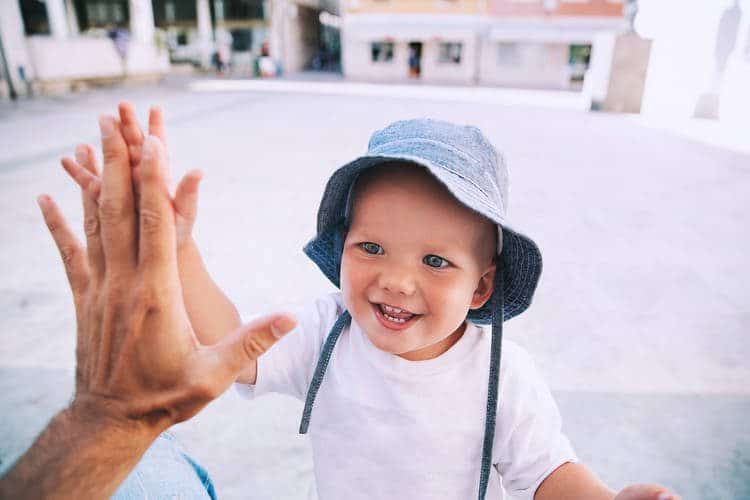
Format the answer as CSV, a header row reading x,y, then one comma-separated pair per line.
x,y
484,289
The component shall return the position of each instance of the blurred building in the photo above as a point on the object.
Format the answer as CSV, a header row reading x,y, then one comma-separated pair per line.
x,y
557,44
305,34
53,45
56,43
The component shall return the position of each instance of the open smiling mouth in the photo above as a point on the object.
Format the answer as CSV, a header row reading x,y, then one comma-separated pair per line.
x,y
394,318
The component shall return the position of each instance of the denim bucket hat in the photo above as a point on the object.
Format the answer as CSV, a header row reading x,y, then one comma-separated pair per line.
x,y
465,162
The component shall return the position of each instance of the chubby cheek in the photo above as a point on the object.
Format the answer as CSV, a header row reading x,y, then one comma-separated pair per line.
x,y
353,285
450,302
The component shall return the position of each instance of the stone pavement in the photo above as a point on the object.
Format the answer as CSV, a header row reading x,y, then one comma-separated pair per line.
x,y
640,322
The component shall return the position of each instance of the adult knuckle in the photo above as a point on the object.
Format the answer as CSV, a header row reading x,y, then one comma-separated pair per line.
x,y
91,225
254,346
203,389
68,253
110,210
150,220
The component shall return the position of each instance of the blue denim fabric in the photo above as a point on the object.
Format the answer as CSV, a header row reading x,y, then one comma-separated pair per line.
x,y
166,471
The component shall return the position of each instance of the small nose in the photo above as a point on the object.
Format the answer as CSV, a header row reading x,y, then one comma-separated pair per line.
x,y
397,281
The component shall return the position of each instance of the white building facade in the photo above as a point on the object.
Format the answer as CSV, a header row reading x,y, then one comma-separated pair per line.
x,y
45,47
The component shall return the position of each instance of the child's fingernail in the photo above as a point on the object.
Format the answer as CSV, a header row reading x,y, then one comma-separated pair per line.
x,y
42,200
149,147
81,154
106,126
665,496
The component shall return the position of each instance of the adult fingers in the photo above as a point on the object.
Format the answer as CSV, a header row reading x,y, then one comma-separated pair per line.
x,y
157,245
131,131
116,205
91,227
248,343
186,196
71,251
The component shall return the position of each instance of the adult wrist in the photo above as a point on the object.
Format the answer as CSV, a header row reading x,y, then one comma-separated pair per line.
x,y
106,415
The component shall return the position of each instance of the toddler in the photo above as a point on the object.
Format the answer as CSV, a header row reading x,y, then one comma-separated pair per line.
x,y
405,393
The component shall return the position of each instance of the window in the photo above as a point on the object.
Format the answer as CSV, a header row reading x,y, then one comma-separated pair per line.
x,y
381,51
34,14
102,13
579,59
508,54
450,52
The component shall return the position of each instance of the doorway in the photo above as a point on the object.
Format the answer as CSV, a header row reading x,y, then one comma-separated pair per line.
x,y
415,59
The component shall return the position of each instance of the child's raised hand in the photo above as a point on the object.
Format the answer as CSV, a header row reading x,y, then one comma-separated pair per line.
x,y
646,492
85,172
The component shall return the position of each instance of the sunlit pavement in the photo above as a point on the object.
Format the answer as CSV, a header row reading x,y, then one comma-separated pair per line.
x,y
640,322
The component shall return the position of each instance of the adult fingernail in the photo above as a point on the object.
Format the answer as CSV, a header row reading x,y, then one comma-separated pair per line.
x,y
280,327
106,126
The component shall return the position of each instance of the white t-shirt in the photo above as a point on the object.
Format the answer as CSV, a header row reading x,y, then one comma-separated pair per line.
x,y
384,428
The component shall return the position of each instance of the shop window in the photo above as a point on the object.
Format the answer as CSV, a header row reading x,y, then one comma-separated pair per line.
x,y
239,10
106,14
381,51
174,12
509,54
579,59
450,52
35,20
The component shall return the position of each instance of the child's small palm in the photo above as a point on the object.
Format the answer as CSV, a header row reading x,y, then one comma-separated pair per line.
x,y
85,172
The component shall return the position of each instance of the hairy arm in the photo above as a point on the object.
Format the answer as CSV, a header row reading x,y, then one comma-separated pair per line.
x,y
81,454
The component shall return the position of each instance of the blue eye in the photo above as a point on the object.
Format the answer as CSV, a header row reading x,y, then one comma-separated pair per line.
x,y
435,261
371,248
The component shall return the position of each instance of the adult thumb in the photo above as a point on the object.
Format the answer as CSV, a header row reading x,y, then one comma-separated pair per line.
x,y
250,341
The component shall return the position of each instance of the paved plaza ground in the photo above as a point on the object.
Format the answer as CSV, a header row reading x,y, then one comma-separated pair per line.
x,y
641,321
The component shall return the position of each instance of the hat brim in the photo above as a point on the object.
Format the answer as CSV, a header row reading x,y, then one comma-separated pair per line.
x,y
520,256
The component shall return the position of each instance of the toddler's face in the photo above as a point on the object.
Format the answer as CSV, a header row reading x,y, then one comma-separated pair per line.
x,y
415,261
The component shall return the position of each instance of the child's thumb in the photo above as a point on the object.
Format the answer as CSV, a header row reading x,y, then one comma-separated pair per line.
x,y
186,196
252,340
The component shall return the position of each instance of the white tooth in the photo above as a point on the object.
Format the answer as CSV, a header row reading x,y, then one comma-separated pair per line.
x,y
397,320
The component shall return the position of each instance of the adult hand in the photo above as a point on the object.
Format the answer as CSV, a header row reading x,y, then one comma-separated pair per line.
x,y
84,172
140,368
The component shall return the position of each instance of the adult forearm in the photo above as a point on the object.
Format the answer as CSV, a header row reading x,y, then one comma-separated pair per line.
x,y
211,313
80,454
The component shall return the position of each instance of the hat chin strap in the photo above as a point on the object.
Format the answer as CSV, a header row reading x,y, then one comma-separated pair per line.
x,y
320,369
492,387
494,377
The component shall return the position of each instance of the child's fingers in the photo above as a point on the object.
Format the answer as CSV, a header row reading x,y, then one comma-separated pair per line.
x,y
186,196
90,197
86,157
131,131
156,124
89,183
